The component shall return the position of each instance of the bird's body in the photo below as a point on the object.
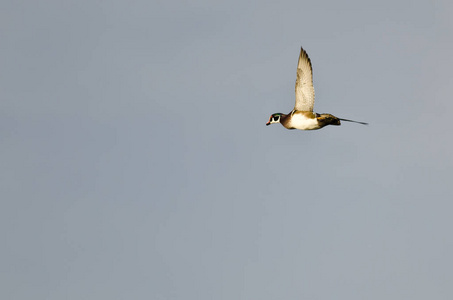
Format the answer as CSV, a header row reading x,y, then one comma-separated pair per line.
x,y
307,120
302,116
304,120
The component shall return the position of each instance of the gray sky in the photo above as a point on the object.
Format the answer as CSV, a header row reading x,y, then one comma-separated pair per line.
x,y
136,164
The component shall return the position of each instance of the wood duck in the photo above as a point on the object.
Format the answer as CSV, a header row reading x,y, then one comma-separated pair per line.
x,y
302,116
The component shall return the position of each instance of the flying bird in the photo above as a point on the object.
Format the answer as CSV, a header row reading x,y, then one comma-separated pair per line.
x,y
302,116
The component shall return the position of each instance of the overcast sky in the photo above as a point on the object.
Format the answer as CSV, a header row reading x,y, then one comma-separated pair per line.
x,y
135,162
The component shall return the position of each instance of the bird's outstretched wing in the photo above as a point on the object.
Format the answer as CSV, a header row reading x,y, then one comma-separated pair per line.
x,y
305,92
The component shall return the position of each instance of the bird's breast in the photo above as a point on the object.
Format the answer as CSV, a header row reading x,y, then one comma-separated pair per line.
x,y
303,121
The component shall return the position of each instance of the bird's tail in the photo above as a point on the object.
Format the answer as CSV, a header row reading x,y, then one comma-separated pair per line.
x,y
363,123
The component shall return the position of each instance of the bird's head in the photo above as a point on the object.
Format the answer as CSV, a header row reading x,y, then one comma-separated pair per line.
x,y
275,118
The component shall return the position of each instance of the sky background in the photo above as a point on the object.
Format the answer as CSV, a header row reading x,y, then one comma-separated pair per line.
x,y
135,162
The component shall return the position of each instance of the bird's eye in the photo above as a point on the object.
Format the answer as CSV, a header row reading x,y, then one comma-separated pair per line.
x,y
276,118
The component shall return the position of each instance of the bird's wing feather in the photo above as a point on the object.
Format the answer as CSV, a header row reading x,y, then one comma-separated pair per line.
x,y
305,92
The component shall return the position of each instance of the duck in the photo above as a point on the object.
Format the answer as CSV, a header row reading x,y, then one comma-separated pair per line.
x,y
302,116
